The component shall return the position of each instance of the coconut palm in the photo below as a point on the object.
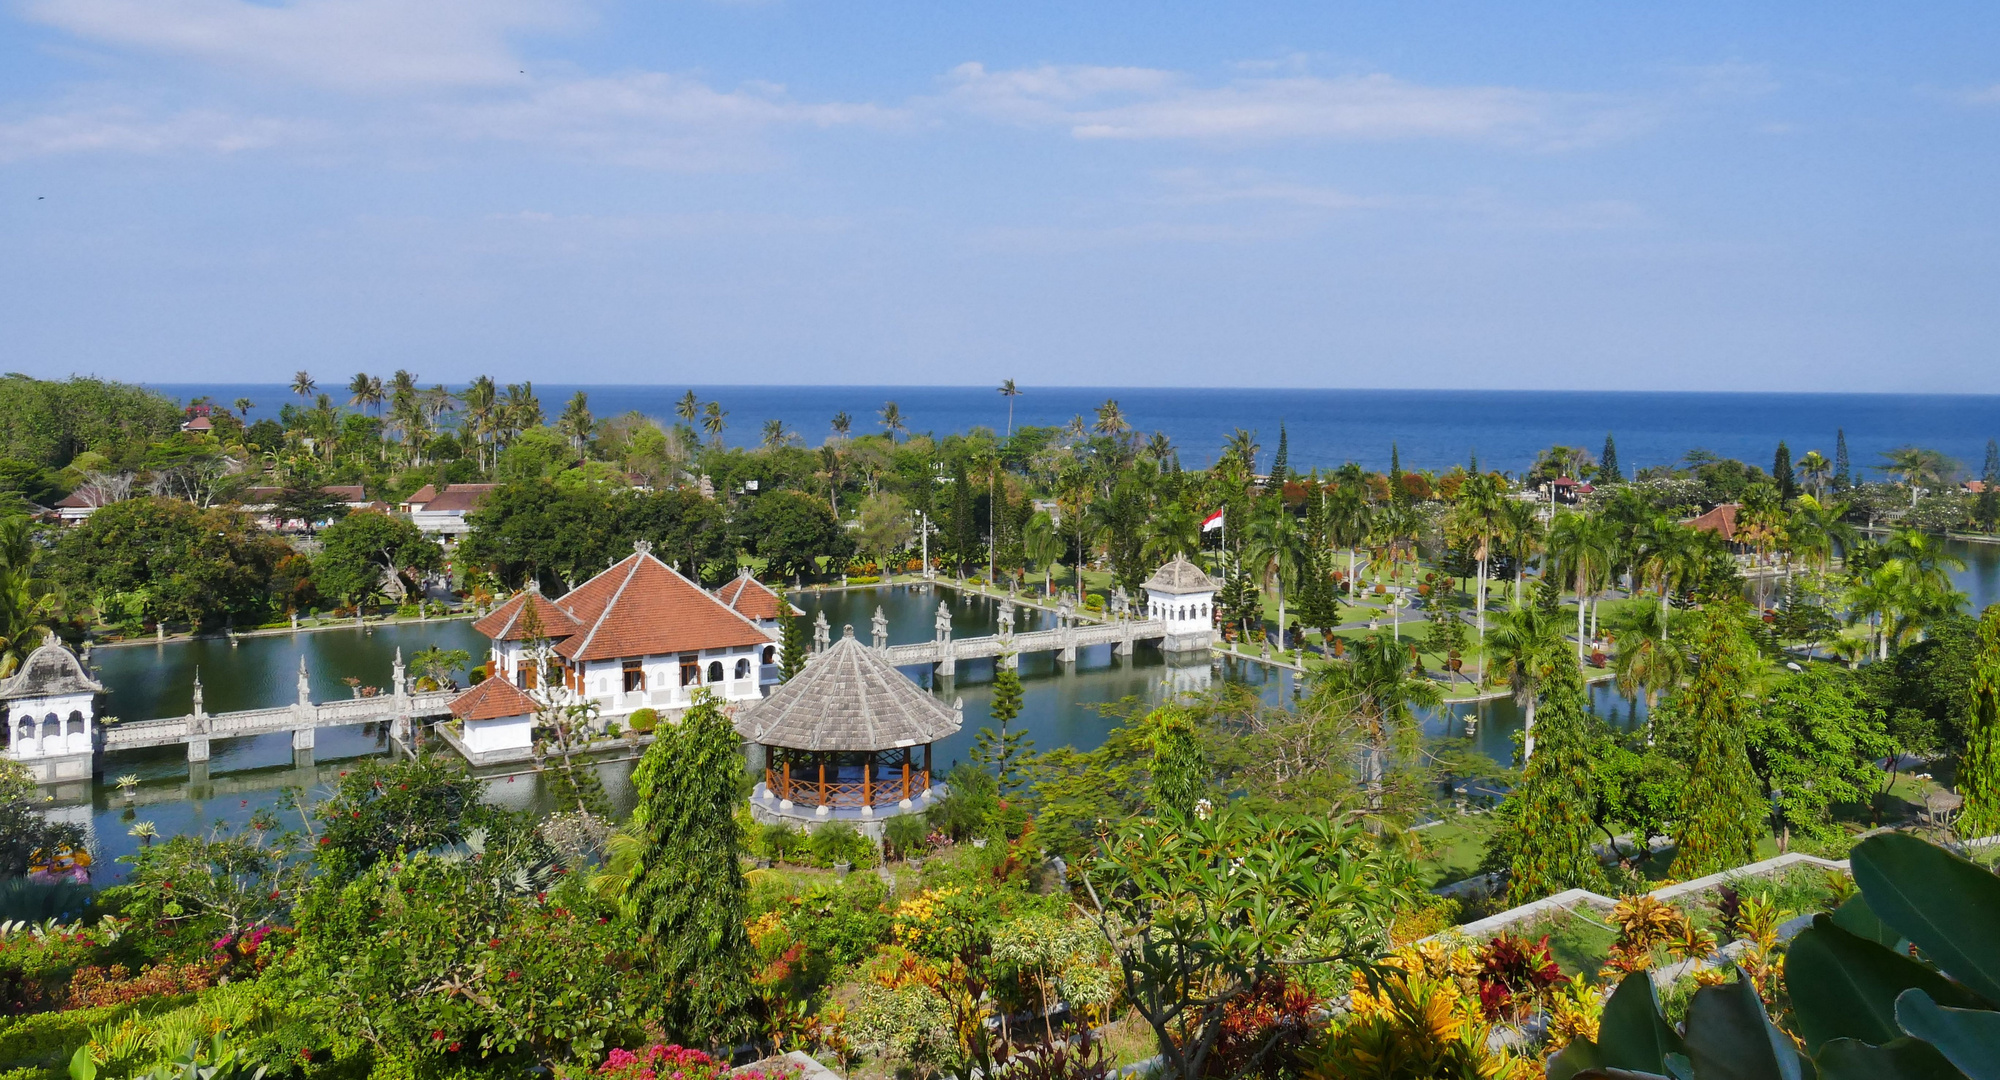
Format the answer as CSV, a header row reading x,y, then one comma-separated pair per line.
x,y
1645,661
365,391
482,402
1172,530
1523,650
1241,447
842,424
303,385
1582,547
1009,391
1815,469
688,408
1111,420
1276,547
1042,545
775,436
243,407
521,407
1160,448
1919,468
30,608
714,419
1349,521
1382,690
1477,520
576,424
1525,536
892,420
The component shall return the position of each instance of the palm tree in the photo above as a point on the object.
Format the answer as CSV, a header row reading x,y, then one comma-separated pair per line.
x,y
1241,446
576,423
243,407
1645,660
1815,469
303,385
714,418
775,435
1041,543
1111,419
1380,688
1478,518
521,407
1919,468
482,403
842,424
30,608
1525,647
1172,530
1663,553
1349,522
1009,391
688,409
892,420
1276,546
364,390
1160,448
1524,537
1582,546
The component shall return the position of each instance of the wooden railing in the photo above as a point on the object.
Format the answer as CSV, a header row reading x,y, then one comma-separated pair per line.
x,y
806,789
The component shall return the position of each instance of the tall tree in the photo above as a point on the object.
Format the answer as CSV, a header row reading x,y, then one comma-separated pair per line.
x,y
1523,652
1720,809
688,896
1546,840
1813,744
1986,510
1281,464
964,534
791,637
892,420
1607,466
1009,391
1397,492
303,385
1979,776
1781,473
1180,769
1006,752
1843,473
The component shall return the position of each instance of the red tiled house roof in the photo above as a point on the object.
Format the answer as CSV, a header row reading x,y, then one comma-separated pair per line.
x,y
457,497
748,596
1721,521
422,495
504,623
643,607
492,700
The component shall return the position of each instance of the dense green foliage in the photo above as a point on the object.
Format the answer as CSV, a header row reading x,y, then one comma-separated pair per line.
x,y
1547,840
1720,810
151,559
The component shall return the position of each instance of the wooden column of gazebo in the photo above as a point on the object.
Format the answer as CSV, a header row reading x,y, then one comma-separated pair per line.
x,y
849,732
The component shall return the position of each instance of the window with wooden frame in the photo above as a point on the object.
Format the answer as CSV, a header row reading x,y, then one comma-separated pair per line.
x,y
635,676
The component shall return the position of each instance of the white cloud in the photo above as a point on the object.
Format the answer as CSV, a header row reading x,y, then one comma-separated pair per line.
x,y
1145,103
345,44
120,130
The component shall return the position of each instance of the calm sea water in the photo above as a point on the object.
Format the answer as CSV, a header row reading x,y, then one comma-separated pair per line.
x,y
1430,428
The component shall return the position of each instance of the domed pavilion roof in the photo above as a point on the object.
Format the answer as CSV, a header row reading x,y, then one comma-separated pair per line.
x,y
50,671
849,697
1180,577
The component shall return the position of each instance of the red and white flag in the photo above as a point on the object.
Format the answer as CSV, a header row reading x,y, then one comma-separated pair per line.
x,y
1213,521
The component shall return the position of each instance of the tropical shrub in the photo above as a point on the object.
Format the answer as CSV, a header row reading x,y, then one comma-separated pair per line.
x,y
837,841
643,720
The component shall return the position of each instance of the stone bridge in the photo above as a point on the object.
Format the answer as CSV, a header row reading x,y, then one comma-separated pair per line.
x,y
944,652
302,718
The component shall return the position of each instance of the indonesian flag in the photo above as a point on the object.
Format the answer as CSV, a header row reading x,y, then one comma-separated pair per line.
x,y
1213,521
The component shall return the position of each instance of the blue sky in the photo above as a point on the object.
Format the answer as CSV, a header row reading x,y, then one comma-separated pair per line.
x,y
1613,196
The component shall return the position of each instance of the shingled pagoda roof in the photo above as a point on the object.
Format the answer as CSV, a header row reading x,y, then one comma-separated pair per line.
x,y
50,671
849,697
1180,576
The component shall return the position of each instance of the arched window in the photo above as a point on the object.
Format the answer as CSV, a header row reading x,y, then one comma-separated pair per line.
x,y
27,730
1204,611
770,654
743,668
75,723
715,671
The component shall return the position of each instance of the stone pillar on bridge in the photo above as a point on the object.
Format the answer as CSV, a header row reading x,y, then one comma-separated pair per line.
x,y
1007,657
304,729
197,742
399,727
947,661
1121,610
879,629
821,635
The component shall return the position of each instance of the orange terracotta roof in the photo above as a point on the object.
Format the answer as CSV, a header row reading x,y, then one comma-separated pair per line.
x,y
491,700
1721,520
504,623
643,607
422,495
751,597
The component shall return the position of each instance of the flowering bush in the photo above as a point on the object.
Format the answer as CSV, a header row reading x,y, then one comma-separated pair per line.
x,y
657,1062
1514,973
939,923
93,986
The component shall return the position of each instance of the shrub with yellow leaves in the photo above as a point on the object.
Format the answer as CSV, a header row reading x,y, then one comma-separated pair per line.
x,y
1418,1018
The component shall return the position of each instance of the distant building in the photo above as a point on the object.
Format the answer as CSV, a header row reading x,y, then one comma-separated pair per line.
x,y
75,507
52,714
262,502
1568,490
1183,597
1720,521
753,600
442,513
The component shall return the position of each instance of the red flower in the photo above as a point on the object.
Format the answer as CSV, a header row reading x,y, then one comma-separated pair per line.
x,y
437,1036
453,1048
494,944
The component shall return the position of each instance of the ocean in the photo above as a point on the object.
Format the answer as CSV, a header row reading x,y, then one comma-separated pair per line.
x,y
1430,429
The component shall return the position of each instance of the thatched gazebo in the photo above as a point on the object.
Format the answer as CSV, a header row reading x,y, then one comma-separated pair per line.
x,y
849,736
